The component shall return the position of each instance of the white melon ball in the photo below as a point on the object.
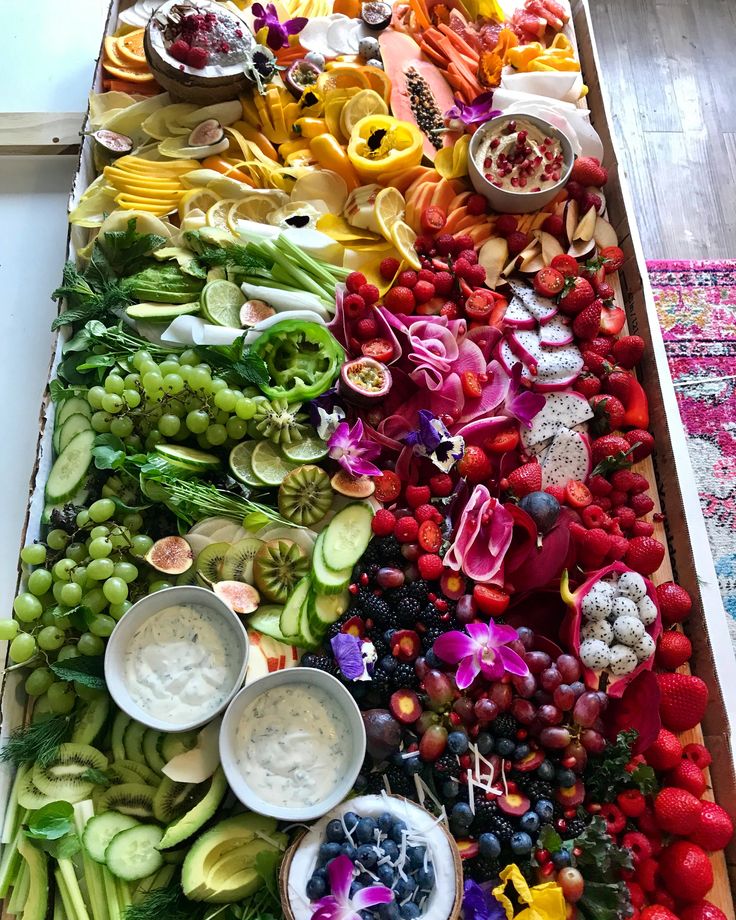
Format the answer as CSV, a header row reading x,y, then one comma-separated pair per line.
x,y
647,610
598,629
624,607
631,584
644,647
622,660
594,654
628,630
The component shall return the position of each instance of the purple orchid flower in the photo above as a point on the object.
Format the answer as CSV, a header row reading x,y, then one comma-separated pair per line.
x,y
353,451
479,904
433,440
339,905
278,32
520,402
475,113
482,648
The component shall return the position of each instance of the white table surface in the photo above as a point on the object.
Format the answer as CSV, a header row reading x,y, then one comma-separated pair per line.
x,y
55,77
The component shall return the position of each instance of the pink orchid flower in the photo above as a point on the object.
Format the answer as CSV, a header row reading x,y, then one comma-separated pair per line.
x,y
339,905
353,451
482,650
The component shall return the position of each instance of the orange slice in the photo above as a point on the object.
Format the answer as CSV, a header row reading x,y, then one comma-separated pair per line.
x,y
112,54
127,72
378,80
343,76
130,47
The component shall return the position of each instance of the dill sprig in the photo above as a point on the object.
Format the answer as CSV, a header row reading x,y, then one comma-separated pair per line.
x,y
38,741
168,902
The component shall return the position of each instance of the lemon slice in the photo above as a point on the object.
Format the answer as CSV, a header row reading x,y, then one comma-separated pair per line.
x,y
366,102
390,207
253,207
269,465
403,237
197,198
217,213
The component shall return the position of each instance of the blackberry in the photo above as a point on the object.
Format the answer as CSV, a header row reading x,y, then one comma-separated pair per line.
x,y
502,828
375,784
482,869
447,765
420,590
526,868
432,617
404,677
377,609
575,827
397,595
504,726
431,635
381,682
485,813
535,788
400,782
337,626
389,551
320,663
407,611
379,644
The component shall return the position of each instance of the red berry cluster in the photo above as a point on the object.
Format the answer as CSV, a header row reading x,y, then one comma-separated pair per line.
x,y
362,326
194,41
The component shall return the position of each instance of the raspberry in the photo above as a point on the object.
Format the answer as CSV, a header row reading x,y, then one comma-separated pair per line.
x,y
179,50
516,242
463,242
406,530
599,485
639,845
197,57
677,811
638,483
631,802
423,291
444,244
354,282
388,268
430,566
698,753
383,523
369,293
647,874
622,480
367,328
476,274
614,818
665,753
354,306
687,775
424,244
407,278
427,512
506,224
619,547
417,495
642,529
399,299
593,516
443,282
641,504
440,485
604,502
636,894
618,498
553,225
461,267
469,255
625,517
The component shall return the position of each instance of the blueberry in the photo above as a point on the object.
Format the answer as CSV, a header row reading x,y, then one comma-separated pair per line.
x,y
542,508
351,820
316,888
489,845
397,831
366,855
505,747
530,822
361,783
521,843
457,742
451,789
405,887
329,851
385,875
365,880
384,822
566,778
410,911
389,664
390,849
546,770
354,888
390,911
561,859
520,751
334,831
425,878
431,659
349,850
484,743
413,765
545,809
461,817
365,832
397,759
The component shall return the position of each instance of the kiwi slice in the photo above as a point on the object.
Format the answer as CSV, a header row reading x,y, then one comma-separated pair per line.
x,y
278,566
143,773
90,720
176,743
133,742
118,773
151,741
134,799
238,562
172,799
29,795
209,562
119,725
305,495
63,778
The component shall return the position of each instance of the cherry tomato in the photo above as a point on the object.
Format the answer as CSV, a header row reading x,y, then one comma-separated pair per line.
x,y
613,257
433,219
491,601
502,442
388,487
577,494
379,349
566,265
549,282
479,305
430,537
471,383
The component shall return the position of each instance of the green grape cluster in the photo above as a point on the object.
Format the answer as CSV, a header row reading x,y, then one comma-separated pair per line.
x,y
94,574
177,400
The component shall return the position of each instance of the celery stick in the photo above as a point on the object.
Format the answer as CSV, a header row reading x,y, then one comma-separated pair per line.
x,y
293,253
111,895
59,912
20,889
77,909
63,890
13,816
9,865
299,279
124,896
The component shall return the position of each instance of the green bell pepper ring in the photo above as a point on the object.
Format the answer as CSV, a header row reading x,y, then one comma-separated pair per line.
x,y
303,359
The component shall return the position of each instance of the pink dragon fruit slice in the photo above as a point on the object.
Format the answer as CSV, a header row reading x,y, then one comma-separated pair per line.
x,y
556,332
541,308
518,316
506,357
568,458
527,347
561,410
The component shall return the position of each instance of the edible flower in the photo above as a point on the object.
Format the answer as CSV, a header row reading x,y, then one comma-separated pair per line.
x,y
520,402
433,440
538,902
339,905
353,655
482,648
353,451
278,32
482,539
479,904
476,112
325,413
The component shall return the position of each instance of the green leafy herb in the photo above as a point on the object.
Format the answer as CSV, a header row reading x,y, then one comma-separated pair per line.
x,y
606,774
80,616
123,249
93,775
601,862
108,452
37,741
229,255
549,839
63,848
88,670
235,363
168,902
59,392
87,298
646,779
620,461
50,822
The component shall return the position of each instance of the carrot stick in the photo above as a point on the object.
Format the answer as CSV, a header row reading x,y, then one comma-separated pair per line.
x,y
420,11
458,42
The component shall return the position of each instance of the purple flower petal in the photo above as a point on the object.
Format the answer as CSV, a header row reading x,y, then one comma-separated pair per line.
x,y
277,36
512,662
347,651
328,909
500,634
258,10
479,632
467,671
374,894
454,645
492,669
526,405
340,872
481,905
293,26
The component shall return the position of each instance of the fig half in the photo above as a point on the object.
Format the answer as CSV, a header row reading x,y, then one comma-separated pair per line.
x,y
171,555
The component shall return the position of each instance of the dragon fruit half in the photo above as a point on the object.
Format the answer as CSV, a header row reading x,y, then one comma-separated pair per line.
x,y
607,641
568,458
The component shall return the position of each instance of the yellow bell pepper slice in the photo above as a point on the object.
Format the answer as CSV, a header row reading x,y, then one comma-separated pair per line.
x,y
381,144
521,56
332,155
290,147
310,127
452,162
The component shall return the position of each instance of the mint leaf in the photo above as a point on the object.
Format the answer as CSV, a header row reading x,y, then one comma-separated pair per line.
x,y
235,363
123,249
50,822
93,775
59,392
108,452
88,671
646,779
63,848
549,839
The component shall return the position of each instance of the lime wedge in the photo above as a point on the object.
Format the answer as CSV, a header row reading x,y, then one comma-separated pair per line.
x,y
268,463
308,450
221,302
241,463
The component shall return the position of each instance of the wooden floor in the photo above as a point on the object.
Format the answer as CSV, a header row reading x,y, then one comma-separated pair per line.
x,y
669,69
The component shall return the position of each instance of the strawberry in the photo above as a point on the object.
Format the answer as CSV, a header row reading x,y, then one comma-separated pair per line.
x,y
714,829
703,910
641,504
698,753
587,323
613,319
595,363
417,495
587,384
556,492
687,775
474,464
683,698
608,411
686,871
645,555
642,443
610,445
665,753
618,383
525,479
577,295
674,603
399,299
628,350
664,899
388,268
637,406
657,912
676,810
588,171
673,650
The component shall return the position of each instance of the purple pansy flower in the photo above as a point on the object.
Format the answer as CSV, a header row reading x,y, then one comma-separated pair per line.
x,y
353,451
433,440
475,113
339,905
482,648
325,413
278,32
520,402
479,904
354,656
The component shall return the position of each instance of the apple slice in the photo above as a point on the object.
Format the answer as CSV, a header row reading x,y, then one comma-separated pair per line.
x,y
586,227
493,256
572,219
510,268
550,246
532,264
199,763
604,234
532,250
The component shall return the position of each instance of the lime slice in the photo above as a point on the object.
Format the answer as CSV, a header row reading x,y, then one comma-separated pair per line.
x,y
268,464
221,302
305,451
241,465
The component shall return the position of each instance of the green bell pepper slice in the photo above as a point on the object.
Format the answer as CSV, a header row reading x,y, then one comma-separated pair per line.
x,y
303,359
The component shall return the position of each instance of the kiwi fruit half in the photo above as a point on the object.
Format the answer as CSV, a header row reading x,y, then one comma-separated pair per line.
x,y
278,566
305,495
238,562
119,725
143,773
133,742
62,778
172,799
30,796
118,774
90,721
209,562
175,743
134,799
151,741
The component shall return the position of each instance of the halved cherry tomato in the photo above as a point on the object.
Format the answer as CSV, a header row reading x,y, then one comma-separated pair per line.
x,y
433,219
379,349
612,320
503,441
566,265
430,537
577,494
491,601
613,258
479,305
472,385
549,282
388,487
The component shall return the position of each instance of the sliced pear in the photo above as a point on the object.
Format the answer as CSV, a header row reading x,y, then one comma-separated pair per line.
x,y
493,256
604,234
586,226
199,763
580,249
533,264
572,219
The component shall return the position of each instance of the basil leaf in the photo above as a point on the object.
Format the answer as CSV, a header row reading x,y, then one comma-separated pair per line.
x,y
88,671
51,822
63,848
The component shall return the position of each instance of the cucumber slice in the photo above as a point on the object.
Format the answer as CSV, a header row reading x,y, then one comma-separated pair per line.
x,y
70,468
291,614
325,580
266,620
326,609
101,829
188,457
79,499
71,427
347,536
132,853
307,639
76,405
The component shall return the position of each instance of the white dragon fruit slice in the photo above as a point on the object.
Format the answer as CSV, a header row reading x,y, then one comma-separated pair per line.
x,y
622,660
569,458
631,585
518,316
556,333
596,654
541,308
561,410
550,368
644,647
624,607
628,630
506,357
598,629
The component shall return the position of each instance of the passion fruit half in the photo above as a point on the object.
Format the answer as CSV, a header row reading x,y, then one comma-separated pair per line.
x,y
376,15
170,555
364,381
300,76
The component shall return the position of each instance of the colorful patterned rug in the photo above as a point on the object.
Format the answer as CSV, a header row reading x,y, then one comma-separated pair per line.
x,y
696,302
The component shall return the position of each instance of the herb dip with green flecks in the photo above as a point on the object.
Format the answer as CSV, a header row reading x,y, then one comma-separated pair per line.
x,y
293,745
